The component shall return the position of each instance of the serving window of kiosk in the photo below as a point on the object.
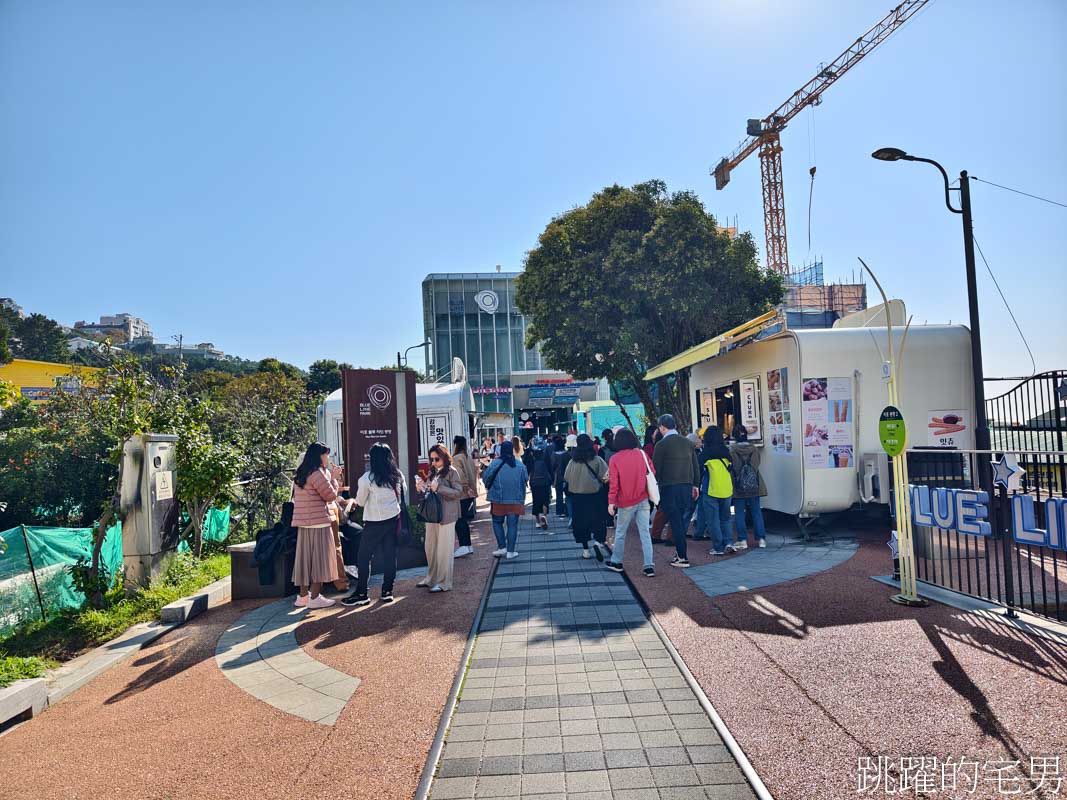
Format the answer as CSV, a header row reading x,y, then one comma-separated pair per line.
x,y
740,401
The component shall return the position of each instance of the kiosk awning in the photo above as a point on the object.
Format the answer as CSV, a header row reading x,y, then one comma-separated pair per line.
x,y
710,348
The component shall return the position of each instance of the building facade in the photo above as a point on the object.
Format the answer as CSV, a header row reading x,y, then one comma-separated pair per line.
x,y
132,327
473,316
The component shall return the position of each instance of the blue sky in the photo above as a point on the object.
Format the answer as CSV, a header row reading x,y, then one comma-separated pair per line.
x,y
277,178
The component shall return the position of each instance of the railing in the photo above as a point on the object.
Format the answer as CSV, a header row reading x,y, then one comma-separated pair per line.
x,y
1020,558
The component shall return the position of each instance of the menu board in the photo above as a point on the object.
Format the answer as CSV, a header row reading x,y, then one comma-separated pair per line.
x,y
779,421
750,409
828,410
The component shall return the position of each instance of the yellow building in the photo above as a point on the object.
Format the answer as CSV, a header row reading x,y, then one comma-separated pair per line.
x,y
36,380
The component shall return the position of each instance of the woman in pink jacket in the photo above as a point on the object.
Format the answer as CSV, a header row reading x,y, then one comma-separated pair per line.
x,y
628,497
315,487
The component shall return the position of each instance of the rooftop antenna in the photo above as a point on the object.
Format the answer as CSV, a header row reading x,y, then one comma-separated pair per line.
x,y
498,268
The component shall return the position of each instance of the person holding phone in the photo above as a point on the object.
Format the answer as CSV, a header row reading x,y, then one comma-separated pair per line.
x,y
444,481
315,490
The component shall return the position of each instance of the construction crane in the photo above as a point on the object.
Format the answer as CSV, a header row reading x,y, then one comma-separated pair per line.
x,y
765,134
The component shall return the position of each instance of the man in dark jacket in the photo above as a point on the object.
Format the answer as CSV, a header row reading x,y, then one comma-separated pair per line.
x,y
678,474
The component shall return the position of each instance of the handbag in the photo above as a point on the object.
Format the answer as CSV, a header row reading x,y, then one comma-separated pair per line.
x,y
430,508
288,507
651,484
404,536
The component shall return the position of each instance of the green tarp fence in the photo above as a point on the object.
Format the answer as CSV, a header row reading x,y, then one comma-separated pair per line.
x,y
50,552
216,527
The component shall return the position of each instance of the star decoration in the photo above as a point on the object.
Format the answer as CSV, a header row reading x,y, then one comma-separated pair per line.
x,y
1007,472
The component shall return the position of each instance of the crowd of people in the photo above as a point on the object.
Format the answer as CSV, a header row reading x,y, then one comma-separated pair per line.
x,y
659,488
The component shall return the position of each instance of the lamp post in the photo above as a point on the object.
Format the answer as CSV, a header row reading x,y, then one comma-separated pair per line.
x,y
981,428
401,364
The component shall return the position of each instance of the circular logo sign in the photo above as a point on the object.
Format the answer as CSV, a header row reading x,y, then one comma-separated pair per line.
x,y
487,301
379,395
891,431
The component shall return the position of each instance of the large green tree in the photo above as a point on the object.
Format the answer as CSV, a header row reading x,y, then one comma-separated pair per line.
x,y
324,376
39,338
633,277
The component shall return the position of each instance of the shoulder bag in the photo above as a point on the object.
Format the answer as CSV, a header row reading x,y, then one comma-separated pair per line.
x,y
651,484
430,507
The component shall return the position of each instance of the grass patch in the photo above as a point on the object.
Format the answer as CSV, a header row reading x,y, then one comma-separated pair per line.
x,y
71,633
14,669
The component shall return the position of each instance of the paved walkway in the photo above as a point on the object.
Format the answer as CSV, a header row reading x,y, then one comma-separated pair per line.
x,y
784,559
570,693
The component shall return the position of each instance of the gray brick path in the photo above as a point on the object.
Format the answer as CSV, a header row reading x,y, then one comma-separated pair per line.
x,y
570,693
784,559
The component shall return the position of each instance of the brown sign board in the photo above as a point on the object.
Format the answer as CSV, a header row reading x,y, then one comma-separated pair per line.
x,y
379,406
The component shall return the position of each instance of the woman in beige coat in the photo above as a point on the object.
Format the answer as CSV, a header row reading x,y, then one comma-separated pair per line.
x,y
468,475
445,482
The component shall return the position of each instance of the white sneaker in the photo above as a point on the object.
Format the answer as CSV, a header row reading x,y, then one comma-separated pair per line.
x,y
761,543
436,588
511,555
739,546
503,551
320,602
301,601
462,551
586,553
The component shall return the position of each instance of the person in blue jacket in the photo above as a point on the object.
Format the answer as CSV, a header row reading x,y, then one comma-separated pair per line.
x,y
505,481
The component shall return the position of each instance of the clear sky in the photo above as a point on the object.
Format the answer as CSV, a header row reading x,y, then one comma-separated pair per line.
x,y
278,178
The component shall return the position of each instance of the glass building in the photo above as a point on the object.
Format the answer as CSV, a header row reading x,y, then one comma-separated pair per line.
x,y
472,315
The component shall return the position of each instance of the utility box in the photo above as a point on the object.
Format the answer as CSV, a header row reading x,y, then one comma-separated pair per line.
x,y
149,505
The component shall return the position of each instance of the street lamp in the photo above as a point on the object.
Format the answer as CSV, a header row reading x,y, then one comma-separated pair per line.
x,y
401,364
981,430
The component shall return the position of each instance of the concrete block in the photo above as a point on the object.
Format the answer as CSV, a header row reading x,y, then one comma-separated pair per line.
x,y
181,611
23,699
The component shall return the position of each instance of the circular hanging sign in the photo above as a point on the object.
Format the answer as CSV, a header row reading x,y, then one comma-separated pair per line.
x,y
487,301
891,431
524,416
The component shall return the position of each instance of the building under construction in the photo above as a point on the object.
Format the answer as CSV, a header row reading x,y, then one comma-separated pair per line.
x,y
810,303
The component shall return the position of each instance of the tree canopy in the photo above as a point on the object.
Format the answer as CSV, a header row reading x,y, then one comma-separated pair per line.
x,y
633,277
324,376
34,337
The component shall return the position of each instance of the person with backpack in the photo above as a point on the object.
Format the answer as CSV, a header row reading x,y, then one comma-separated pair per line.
x,y
505,483
538,464
559,466
748,489
587,476
715,459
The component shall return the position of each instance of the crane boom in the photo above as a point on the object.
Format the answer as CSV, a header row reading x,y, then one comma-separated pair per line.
x,y
764,134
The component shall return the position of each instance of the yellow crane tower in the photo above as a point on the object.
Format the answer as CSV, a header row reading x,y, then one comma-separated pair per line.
x,y
765,134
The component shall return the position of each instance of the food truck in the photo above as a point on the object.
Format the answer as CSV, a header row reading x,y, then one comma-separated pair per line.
x,y
810,399
444,410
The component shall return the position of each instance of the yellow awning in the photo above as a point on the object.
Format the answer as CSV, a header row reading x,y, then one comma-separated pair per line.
x,y
708,349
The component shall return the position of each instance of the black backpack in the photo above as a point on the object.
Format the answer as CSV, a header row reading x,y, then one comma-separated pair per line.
x,y
541,474
746,482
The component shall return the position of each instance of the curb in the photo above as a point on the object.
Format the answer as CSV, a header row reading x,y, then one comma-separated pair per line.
x,y
76,673
732,746
429,769
22,700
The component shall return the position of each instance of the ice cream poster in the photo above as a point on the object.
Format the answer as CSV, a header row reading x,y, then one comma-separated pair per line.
x,y
828,423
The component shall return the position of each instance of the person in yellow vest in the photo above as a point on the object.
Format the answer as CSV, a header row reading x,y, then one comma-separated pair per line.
x,y
717,500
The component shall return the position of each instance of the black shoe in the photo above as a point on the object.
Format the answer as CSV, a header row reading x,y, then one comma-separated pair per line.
x,y
678,561
650,572
355,599
387,595
614,567
597,551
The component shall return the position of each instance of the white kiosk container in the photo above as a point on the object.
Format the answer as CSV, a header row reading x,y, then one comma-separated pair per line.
x,y
811,399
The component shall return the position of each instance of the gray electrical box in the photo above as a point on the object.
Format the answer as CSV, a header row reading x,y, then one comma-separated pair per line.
x,y
149,505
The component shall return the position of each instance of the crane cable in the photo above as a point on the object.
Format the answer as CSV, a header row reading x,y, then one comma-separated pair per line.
x,y
812,160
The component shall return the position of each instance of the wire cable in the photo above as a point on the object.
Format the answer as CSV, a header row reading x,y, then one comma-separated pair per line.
x,y
1018,191
1033,362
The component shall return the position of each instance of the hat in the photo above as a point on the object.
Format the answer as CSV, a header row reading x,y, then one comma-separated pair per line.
x,y
693,438
538,442
572,441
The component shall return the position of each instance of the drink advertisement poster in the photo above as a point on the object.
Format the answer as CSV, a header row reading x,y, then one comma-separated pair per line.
x,y
779,417
828,429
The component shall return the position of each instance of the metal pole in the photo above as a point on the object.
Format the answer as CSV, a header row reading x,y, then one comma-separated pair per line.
x,y
33,572
981,427
398,364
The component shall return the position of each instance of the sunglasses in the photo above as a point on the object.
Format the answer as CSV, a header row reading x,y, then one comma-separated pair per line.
x,y
435,460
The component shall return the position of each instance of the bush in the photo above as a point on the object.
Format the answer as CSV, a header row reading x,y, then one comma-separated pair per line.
x,y
14,669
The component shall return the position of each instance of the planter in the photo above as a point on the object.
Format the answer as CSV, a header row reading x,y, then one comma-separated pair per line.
x,y
22,700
